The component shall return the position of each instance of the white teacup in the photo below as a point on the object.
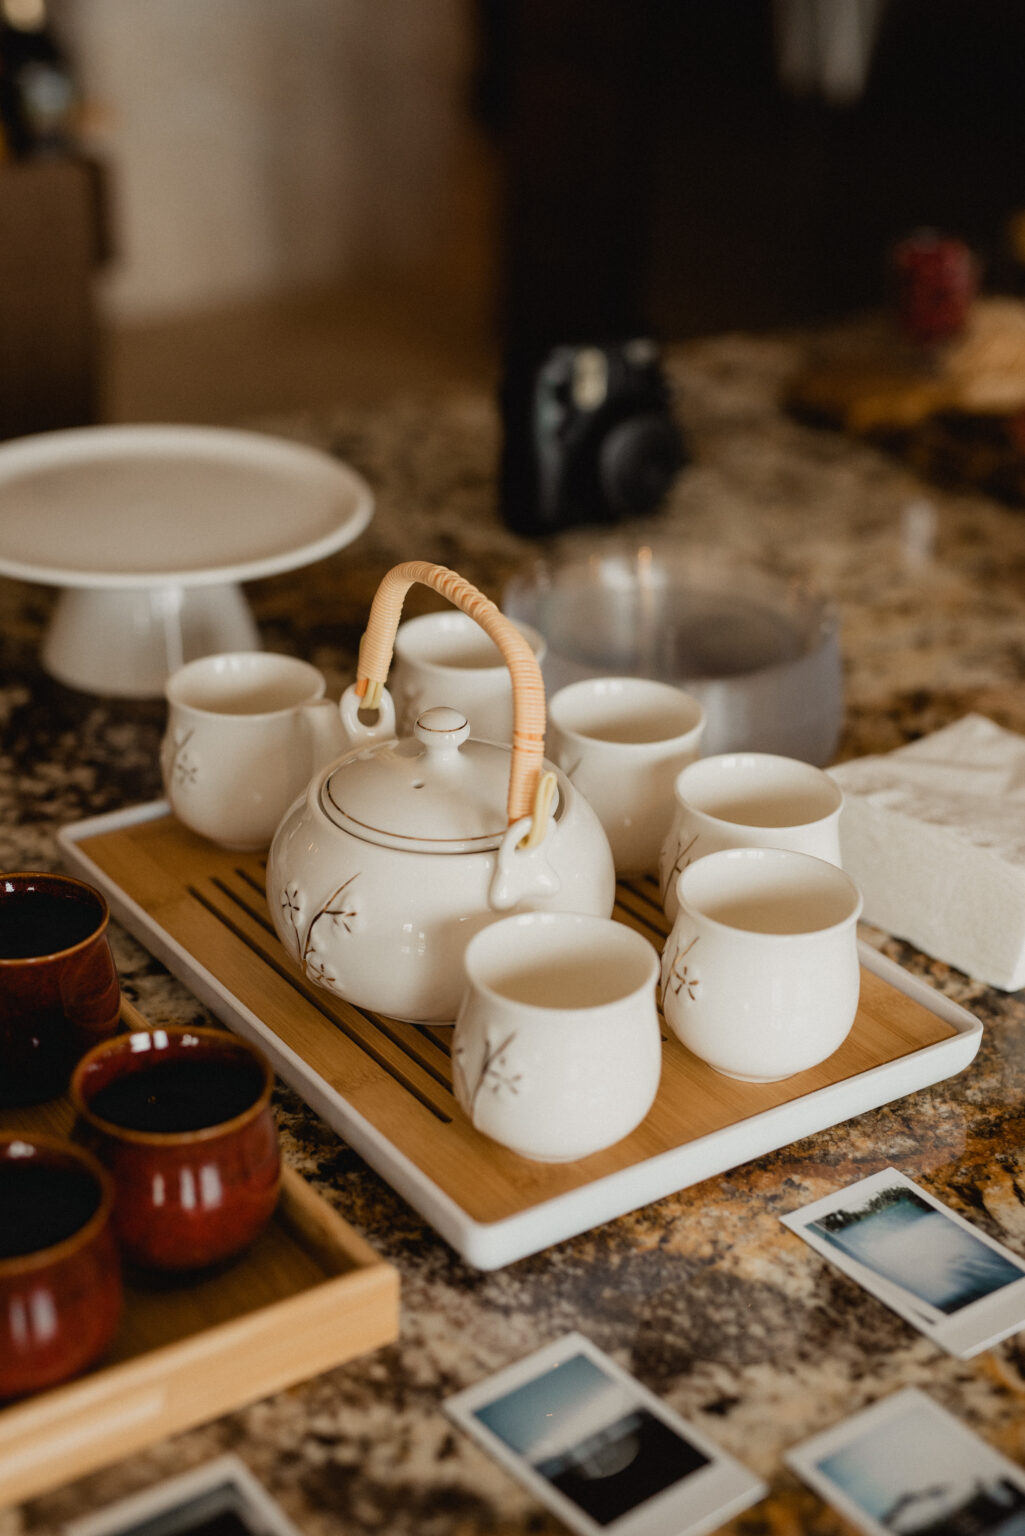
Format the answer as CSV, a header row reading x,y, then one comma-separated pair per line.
x,y
245,732
557,1051
623,741
447,658
749,800
760,974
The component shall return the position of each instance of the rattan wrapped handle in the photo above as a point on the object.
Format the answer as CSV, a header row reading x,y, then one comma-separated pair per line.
x,y
526,791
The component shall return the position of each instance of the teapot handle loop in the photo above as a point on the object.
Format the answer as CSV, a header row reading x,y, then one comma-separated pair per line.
x,y
530,789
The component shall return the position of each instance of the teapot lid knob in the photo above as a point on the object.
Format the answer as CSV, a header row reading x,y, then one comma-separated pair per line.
x,y
442,728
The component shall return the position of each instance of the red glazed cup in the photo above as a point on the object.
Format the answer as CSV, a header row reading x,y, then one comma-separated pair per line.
x,y
59,990
182,1119
60,1271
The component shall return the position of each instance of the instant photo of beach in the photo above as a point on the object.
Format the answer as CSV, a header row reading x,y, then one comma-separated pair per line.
x,y
910,1242
908,1467
942,1274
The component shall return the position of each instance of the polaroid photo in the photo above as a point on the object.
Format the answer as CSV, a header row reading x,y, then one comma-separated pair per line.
x,y
220,1498
949,1280
598,1449
906,1464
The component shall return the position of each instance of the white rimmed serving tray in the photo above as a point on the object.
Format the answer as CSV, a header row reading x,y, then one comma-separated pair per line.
x,y
385,1086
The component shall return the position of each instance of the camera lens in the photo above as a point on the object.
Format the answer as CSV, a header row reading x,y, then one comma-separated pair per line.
x,y
638,461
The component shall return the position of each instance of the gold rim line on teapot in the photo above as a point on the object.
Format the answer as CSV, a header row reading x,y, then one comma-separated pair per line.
x,y
531,789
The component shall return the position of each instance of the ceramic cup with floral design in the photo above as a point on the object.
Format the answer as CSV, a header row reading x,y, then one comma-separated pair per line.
x,y
622,741
245,732
446,658
557,1051
760,974
749,800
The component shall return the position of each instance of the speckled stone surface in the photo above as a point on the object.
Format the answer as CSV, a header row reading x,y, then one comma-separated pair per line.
x,y
713,1305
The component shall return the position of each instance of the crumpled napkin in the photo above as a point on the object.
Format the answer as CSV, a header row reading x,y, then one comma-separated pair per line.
x,y
934,834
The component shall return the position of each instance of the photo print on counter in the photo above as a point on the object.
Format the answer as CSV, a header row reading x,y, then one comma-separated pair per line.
x,y
598,1449
219,1498
906,1465
956,1285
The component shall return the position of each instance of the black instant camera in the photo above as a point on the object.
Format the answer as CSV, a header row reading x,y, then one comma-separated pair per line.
x,y
589,437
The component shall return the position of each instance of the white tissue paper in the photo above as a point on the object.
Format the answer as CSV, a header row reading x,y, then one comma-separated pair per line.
x,y
934,834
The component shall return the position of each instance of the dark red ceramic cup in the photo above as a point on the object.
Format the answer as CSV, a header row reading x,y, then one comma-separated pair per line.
x,y
60,1270
59,991
182,1119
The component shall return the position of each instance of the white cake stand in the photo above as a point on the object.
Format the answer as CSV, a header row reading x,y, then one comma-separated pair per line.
x,y
147,531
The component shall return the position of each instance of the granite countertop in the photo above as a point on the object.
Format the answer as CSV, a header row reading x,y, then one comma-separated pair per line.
x,y
704,1296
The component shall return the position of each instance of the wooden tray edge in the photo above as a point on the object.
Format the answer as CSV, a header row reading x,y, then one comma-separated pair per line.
x,y
102,1417
490,1245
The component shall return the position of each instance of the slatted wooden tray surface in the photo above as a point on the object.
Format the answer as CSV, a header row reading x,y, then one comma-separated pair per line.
x,y
387,1085
309,1294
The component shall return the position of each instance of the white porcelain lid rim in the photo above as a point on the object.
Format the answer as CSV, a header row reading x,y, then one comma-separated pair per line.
x,y
409,795
401,842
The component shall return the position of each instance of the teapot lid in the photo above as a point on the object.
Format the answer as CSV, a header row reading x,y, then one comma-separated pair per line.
x,y
436,789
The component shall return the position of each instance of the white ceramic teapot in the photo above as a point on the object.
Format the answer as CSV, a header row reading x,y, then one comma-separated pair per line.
x,y
401,850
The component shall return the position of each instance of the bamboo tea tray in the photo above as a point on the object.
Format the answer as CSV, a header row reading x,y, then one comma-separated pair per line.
x,y
386,1086
308,1295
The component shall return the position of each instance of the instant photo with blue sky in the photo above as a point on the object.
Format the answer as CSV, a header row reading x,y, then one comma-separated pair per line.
x,y
907,1467
950,1280
602,1452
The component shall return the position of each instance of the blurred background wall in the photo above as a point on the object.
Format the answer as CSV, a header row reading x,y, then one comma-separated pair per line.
x,y
307,184
763,151
264,146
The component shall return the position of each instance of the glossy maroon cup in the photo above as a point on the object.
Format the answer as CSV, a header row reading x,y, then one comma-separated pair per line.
x,y
59,991
182,1119
60,1270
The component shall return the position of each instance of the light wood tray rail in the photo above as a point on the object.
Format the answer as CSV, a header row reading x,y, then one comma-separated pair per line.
x,y
398,1076
308,1295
